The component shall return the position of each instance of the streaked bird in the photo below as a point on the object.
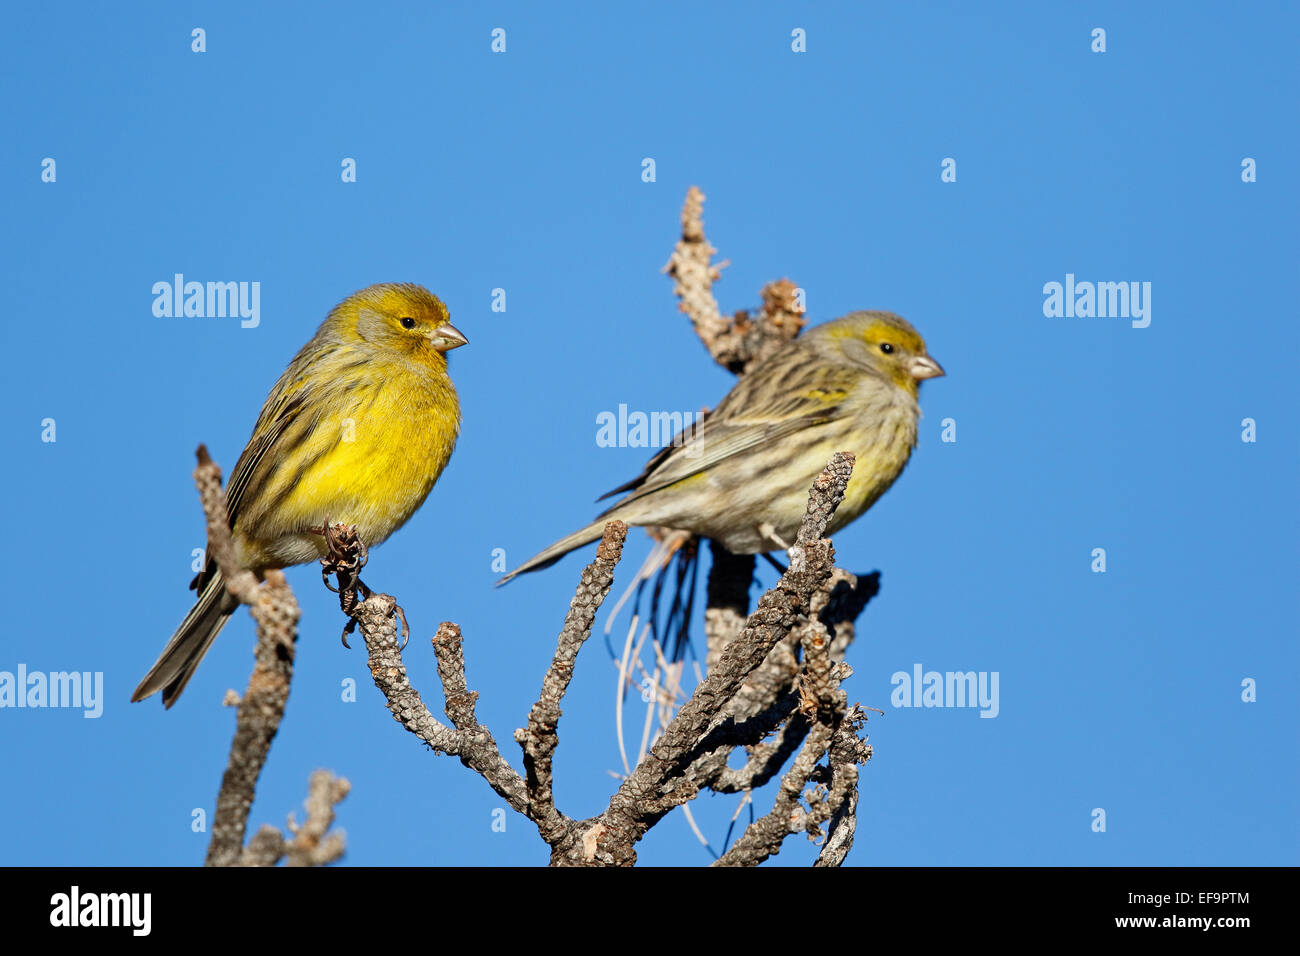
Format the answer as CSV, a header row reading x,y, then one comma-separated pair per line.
x,y
742,477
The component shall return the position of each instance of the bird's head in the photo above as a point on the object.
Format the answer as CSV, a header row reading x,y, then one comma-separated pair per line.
x,y
880,341
401,317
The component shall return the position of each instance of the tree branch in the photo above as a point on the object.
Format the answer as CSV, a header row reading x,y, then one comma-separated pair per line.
x,y
257,720
736,343
643,799
539,739
664,778
467,738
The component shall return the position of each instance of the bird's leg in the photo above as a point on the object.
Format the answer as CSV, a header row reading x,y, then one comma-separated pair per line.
x,y
768,530
343,559
346,554
331,559
363,555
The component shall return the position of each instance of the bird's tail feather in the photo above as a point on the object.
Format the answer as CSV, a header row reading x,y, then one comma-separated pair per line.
x,y
179,659
559,549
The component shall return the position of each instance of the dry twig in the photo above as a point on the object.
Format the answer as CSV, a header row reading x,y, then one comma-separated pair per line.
x,y
735,343
261,708
662,779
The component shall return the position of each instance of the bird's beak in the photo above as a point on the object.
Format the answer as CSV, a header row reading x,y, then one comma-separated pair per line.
x,y
924,367
448,337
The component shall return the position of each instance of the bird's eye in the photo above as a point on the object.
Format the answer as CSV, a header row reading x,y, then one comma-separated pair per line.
x,y
884,347
408,322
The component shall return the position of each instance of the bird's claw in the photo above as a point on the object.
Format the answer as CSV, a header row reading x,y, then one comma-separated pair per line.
x,y
346,554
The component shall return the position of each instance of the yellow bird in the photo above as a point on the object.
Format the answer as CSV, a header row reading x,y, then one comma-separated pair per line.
x,y
357,430
741,477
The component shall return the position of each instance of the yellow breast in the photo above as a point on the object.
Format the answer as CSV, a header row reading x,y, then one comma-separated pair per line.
x,y
882,445
368,457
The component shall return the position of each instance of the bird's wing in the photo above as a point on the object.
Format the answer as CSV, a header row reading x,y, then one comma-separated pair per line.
x,y
283,405
806,396
272,423
277,414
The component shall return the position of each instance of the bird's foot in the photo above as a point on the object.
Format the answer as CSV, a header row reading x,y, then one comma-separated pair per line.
x,y
346,554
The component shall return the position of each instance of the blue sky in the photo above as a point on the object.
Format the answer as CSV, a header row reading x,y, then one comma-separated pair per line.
x,y
1119,690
